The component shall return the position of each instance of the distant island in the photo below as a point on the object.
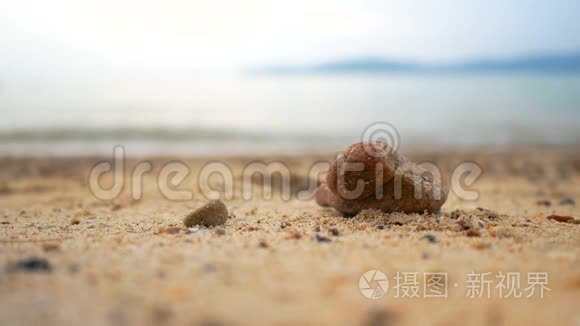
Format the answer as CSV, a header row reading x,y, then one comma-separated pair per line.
x,y
569,63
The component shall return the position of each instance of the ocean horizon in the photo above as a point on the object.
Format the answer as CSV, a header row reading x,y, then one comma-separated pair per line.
x,y
281,114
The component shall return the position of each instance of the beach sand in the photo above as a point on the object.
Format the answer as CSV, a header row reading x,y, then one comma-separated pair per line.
x,y
287,262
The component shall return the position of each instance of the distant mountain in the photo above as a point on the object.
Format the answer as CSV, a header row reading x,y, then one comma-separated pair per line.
x,y
539,63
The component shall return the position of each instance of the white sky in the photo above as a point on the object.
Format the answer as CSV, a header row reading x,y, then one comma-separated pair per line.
x,y
178,35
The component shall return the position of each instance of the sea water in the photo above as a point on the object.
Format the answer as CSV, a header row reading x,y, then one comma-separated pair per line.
x,y
285,114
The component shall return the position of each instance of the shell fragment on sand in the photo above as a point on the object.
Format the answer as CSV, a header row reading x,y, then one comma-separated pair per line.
x,y
370,175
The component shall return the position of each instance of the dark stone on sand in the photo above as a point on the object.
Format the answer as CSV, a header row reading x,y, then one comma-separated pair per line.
x,y
567,201
560,218
334,232
378,317
321,238
429,237
213,213
546,203
31,264
472,233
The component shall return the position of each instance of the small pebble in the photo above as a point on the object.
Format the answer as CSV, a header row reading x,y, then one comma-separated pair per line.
x,y
567,201
334,232
560,218
51,246
481,245
429,237
213,213
377,317
220,231
472,233
263,244
546,203
488,213
321,238
294,235
31,264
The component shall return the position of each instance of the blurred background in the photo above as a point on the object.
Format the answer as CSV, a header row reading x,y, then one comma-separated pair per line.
x,y
231,77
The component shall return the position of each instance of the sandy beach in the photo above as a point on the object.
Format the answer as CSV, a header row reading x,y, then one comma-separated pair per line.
x,y
287,262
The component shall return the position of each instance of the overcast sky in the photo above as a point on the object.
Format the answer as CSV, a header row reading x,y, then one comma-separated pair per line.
x,y
190,35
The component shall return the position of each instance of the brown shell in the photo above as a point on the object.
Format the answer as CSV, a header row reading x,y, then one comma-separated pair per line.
x,y
380,161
